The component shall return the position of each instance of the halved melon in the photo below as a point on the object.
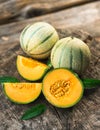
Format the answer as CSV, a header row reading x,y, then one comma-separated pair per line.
x,y
31,69
62,88
22,93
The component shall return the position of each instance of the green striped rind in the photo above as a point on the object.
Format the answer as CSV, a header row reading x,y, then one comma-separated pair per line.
x,y
41,55
57,54
38,39
71,53
21,37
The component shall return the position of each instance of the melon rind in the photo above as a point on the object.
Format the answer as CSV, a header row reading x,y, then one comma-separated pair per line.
x,y
71,53
38,39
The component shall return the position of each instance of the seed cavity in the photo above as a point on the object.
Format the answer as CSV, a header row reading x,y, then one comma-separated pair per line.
x,y
60,88
25,86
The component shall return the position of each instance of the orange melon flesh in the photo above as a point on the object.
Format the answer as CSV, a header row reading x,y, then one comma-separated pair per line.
x,y
30,69
22,93
73,93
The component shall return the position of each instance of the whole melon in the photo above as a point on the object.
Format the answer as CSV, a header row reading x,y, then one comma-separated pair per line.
x,y
71,53
38,39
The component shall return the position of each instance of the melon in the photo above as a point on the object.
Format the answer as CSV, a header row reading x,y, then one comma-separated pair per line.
x,y
31,69
62,88
22,93
71,53
38,39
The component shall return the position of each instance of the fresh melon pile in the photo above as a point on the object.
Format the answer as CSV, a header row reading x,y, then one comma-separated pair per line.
x,y
41,41
57,80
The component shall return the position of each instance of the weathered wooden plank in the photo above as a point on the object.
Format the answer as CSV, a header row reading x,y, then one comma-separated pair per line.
x,y
83,116
11,8
86,17
1,1
43,7
32,8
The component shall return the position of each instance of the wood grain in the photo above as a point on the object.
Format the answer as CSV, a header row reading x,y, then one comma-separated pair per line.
x,y
19,9
85,17
70,17
83,116
10,33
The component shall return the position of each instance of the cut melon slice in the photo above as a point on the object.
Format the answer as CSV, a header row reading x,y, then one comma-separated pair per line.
x,y
31,69
22,93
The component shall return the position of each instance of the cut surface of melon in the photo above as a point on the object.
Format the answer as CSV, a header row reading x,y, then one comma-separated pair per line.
x,y
22,93
62,88
30,69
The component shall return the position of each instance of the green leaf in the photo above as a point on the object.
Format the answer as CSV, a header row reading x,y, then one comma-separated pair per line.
x,y
34,111
49,63
90,83
4,79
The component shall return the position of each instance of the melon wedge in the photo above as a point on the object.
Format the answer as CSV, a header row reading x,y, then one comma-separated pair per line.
x,y
22,93
31,69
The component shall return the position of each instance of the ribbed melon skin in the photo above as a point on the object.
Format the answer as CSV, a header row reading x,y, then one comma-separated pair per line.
x,y
38,39
71,53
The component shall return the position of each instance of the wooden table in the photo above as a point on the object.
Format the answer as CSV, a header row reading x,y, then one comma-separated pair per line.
x,y
70,17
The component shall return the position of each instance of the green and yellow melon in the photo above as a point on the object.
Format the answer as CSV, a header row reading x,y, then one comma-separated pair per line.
x,y
62,88
71,53
31,69
22,93
38,39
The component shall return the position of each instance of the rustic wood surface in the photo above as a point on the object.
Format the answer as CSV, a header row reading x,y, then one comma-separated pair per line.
x,y
29,8
85,17
80,18
83,116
